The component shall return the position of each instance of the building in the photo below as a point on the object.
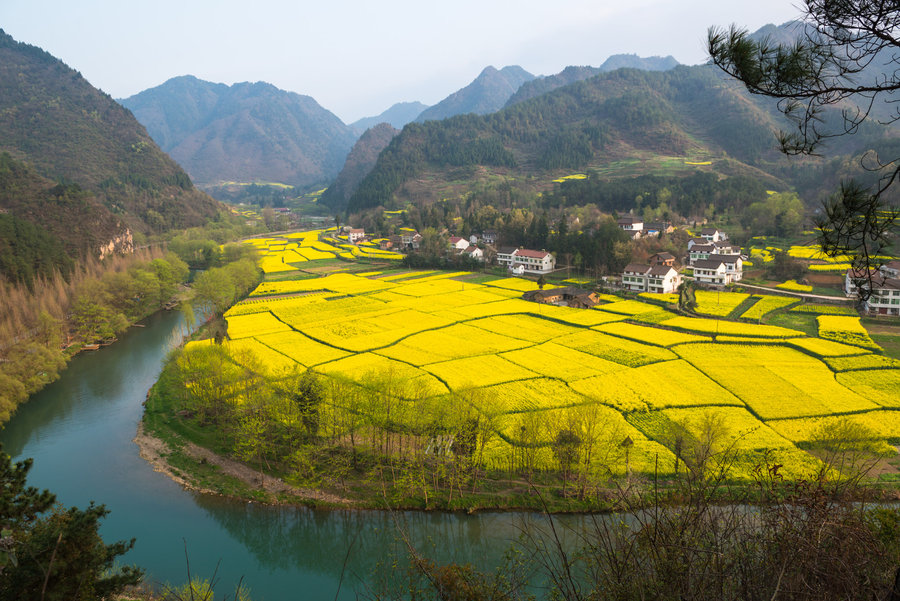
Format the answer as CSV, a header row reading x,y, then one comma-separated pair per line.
x,y
634,277
718,270
712,234
356,235
473,252
505,255
408,238
489,237
630,223
663,279
697,252
639,277
459,243
530,261
885,296
569,296
662,258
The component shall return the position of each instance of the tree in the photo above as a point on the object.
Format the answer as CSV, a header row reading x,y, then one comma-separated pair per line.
x,y
844,59
58,556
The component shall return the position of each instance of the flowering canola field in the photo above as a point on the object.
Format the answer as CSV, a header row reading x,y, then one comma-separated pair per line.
x,y
536,369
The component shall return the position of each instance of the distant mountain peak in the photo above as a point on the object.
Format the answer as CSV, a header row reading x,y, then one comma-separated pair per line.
x,y
247,131
488,93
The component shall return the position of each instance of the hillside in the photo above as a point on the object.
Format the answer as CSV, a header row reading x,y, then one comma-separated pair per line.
x,y
247,132
542,85
614,121
77,165
397,116
486,94
359,163
622,124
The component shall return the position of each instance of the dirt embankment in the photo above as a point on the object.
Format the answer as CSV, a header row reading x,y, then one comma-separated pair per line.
x,y
155,451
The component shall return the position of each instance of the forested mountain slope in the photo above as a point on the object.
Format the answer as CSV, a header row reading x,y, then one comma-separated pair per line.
x,y
78,166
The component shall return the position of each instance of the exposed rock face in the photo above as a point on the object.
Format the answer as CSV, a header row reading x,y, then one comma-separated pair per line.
x,y
122,244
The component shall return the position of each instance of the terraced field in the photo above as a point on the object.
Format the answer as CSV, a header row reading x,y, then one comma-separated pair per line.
x,y
624,370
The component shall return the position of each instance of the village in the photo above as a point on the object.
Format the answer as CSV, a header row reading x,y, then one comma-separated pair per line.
x,y
710,261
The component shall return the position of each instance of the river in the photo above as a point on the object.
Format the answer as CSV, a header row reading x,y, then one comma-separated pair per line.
x,y
79,431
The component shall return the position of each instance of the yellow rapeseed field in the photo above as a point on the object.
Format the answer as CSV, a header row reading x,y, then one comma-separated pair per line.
x,y
624,369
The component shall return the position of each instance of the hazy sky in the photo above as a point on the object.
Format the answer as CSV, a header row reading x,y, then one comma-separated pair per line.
x,y
357,58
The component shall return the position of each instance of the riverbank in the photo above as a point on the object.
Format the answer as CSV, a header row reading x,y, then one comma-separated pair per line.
x,y
202,471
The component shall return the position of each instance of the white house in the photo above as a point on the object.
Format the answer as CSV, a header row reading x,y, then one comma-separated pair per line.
x,y
505,256
531,261
459,243
639,277
885,296
713,250
663,279
355,235
634,277
712,234
534,261
630,223
719,271
473,252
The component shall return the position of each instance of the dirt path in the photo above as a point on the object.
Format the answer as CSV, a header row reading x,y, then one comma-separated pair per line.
x,y
154,451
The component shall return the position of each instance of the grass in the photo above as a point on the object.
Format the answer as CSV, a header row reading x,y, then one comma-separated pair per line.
x,y
805,322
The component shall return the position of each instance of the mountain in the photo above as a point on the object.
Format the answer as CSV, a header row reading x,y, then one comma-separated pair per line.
x,y
633,61
488,93
359,163
77,165
542,85
397,116
247,132
625,123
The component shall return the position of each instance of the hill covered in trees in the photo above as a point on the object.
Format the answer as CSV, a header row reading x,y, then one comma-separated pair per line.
x,y
359,163
78,173
571,74
620,124
247,132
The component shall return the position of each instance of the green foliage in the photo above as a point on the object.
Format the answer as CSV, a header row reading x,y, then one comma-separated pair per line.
x,y
689,195
219,287
778,215
28,251
57,556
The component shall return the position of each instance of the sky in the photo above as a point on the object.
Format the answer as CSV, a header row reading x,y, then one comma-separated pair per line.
x,y
357,58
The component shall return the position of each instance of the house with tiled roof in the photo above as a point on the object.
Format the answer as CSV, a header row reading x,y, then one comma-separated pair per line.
x,y
458,243
630,223
569,296
523,260
713,234
356,235
534,261
718,270
473,252
639,277
662,258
